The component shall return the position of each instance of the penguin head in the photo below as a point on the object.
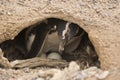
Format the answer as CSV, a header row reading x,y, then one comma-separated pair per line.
x,y
66,31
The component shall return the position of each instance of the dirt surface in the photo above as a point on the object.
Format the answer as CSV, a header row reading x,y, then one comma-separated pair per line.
x,y
99,18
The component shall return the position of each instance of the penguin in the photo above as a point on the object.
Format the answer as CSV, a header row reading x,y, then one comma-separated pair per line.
x,y
63,37
69,34
54,35
58,37
35,36
26,44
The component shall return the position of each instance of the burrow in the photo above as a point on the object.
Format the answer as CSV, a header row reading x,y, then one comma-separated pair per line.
x,y
84,51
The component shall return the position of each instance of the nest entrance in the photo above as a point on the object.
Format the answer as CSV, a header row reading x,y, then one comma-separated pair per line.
x,y
84,54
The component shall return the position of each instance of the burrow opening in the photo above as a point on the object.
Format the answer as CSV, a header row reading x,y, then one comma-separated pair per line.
x,y
66,40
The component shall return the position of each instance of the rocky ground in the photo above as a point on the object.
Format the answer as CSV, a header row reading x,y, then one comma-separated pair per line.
x,y
72,72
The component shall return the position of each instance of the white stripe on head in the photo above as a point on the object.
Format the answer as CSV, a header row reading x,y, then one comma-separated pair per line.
x,y
65,30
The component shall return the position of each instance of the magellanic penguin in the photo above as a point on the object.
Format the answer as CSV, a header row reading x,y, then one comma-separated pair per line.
x,y
50,43
27,43
63,37
35,38
69,35
54,36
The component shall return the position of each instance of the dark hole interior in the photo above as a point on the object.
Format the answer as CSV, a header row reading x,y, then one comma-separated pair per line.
x,y
75,43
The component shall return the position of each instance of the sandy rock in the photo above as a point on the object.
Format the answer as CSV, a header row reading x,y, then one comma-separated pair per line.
x,y
99,18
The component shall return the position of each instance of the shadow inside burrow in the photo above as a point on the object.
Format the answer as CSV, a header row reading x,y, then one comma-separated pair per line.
x,y
80,49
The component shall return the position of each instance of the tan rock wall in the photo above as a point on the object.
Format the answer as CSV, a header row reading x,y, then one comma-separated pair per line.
x,y
100,18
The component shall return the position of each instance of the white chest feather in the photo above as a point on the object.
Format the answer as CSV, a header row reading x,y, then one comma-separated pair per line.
x,y
51,43
30,41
